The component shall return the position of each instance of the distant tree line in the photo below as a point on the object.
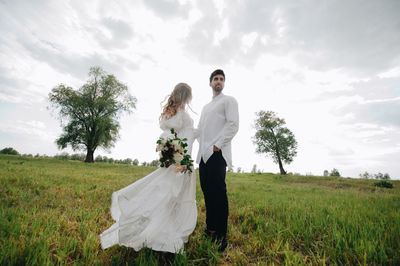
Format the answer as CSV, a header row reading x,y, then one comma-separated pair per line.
x,y
379,175
10,151
333,172
81,157
366,175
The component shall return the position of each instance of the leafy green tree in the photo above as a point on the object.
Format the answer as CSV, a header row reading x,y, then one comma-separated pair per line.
x,y
379,176
365,175
98,158
10,151
154,163
334,172
274,139
127,161
89,115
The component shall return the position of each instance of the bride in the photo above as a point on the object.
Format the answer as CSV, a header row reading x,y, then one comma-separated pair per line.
x,y
158,211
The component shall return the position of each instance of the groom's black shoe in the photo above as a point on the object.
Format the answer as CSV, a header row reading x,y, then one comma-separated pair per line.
x,y
223,243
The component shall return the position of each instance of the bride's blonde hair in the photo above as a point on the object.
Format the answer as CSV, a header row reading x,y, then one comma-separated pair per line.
x,y
180,96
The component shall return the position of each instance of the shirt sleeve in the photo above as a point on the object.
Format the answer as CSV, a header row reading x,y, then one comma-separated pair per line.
x,y
196,132
175,122
232,123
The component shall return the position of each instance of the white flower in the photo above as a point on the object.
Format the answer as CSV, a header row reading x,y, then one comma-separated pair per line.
x,y
169,136
180,149
159,147
178,157
175,144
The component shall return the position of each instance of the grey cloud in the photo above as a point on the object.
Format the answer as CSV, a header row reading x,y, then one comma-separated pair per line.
x,y
290,75
75,64
121,33
199,41
389,163
380,112
120,29
380,106
168,8
358,36
16,90
201,44
376,88
33,36
374,134
30,30
372,89
340,152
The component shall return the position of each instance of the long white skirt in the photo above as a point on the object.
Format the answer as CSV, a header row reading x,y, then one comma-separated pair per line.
x,y
158,211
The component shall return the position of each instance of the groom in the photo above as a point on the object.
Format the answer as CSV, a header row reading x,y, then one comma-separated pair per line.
x,y
219,123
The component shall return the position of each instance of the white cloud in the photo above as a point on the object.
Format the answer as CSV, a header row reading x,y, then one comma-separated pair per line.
x,y
33,128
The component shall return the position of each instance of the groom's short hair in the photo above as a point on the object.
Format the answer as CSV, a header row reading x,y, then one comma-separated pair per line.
x,y
217,72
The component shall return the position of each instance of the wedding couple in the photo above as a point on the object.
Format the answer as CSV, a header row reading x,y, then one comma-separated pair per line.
x,y
159,211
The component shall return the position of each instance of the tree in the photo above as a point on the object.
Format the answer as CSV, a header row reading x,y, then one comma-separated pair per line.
x,y
334,172
379,176
127,161
10,151
365,175
254,169
154,163
326,173
91,112
274,139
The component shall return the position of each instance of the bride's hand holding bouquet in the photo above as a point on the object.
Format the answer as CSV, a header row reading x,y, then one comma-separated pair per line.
x,y
172,151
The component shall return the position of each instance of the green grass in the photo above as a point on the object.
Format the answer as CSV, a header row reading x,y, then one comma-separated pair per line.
x,y
52,211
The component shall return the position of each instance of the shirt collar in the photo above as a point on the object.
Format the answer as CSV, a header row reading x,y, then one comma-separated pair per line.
x,y
218,96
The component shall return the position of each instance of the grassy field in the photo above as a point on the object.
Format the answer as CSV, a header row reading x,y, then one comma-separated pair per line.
x,y
52,211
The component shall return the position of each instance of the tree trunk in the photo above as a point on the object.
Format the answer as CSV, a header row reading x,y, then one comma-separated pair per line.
x,y
283,172
89,156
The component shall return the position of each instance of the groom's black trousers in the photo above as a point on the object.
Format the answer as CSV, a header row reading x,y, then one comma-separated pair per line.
x,y
212,181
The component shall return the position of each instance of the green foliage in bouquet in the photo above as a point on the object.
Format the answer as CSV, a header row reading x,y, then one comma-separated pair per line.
x,y
173,151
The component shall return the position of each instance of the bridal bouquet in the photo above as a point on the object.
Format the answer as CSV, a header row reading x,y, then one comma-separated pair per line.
x,y
173,150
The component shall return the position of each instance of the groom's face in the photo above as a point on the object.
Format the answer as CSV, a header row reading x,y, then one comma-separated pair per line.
x,y
217,83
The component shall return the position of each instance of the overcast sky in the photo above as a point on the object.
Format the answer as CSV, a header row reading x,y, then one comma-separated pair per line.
x,y
331,69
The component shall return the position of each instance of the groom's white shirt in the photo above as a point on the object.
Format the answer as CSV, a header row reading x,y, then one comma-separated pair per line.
x,y
219,123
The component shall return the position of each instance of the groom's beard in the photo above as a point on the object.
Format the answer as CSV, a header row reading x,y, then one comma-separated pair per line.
x,y
218,89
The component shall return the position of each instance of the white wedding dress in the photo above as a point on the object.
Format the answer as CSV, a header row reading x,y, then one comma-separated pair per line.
x,y
159,210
